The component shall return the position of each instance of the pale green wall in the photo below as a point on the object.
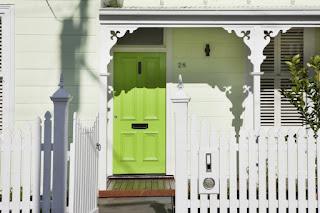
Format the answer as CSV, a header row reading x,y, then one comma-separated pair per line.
x,y
45,45
207,77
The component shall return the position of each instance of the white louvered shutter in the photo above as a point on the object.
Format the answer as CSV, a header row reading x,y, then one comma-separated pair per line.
x,y
275,109
1,79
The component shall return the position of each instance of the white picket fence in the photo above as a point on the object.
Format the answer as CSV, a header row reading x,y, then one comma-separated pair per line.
x,y
34,162
26,168
84,169
274,170
26,172
20,169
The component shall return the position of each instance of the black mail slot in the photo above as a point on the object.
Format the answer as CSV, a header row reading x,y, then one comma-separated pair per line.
x,y
139,126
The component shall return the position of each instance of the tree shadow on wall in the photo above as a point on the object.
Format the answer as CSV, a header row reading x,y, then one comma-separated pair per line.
x,y
74,54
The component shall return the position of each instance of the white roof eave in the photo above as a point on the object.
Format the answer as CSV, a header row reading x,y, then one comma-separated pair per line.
x,y
205,17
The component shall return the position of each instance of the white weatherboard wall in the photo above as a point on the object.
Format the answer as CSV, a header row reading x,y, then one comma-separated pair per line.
x,y
50,38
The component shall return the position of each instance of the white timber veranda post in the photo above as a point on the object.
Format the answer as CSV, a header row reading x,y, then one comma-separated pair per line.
x,y
61,99
108,38
180,106
256,38
103,108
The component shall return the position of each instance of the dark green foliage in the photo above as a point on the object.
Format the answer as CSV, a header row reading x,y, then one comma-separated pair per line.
x,y
304,93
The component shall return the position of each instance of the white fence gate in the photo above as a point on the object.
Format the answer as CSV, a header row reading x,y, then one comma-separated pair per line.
x,y
84,167
271,171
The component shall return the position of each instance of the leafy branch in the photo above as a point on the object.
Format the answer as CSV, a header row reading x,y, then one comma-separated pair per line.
x,y
304,93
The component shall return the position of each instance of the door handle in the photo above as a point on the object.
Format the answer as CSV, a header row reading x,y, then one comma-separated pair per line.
x,y
139,67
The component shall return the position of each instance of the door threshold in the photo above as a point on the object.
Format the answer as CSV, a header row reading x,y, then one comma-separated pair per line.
x,y
147,176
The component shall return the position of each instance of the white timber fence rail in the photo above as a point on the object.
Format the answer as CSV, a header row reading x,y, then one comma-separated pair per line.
x,y
274,170
84,166
34,161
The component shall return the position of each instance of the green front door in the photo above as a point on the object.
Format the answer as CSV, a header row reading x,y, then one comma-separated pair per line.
x,y
139,113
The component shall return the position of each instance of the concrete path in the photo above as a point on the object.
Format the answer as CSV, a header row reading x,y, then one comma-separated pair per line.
x,y
136,205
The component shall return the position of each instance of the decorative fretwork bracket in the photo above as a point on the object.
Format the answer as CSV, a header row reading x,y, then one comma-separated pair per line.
x,y
109,36
256,38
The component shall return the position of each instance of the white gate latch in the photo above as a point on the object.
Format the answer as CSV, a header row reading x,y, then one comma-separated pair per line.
x,y
98,146
208,172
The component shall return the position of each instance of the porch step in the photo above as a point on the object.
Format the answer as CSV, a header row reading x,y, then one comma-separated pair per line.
x,y
139,186
140,177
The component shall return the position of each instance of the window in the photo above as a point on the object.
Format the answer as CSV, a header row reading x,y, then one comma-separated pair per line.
x,y
275,109
143,36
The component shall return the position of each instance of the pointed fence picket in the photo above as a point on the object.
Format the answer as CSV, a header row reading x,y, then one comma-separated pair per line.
x,y
302,171
262,146
282,171
47,156
194,164
274,170
243,172
214,145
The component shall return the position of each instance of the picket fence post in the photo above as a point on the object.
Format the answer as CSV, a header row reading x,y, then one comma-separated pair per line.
x,y
36,158
61,99
47,146
180,104
73,172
